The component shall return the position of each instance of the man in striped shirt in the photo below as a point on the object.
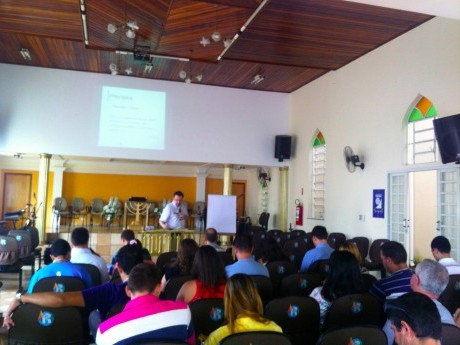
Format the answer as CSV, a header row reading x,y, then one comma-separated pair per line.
x,y
145,316
394,259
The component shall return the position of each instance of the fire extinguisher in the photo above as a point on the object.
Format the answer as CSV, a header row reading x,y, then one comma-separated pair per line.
x,y
298,212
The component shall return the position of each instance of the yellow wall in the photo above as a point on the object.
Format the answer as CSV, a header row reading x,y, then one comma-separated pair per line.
x,y
155,188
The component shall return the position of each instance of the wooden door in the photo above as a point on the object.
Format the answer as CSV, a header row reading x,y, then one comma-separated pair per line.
x,y
16,191
239,189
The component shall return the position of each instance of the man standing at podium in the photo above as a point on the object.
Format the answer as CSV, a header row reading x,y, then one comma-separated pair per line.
x,y
175,213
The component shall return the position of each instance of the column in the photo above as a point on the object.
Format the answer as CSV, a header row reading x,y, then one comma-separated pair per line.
x,y
43,175
228,172
283,199
58,170
201,174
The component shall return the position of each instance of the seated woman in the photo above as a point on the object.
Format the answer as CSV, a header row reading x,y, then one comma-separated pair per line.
x,y
243,310
344,278
209,273
183,265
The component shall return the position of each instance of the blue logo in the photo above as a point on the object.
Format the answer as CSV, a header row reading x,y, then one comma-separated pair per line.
x,y
45,318
296,244
457,286
216,314
356,307
18,238
58,287
3,242
355,341
293,311
292,257
303,283
281,270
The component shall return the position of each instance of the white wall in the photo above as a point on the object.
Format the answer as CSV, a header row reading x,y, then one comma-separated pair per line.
x,y
57,112
363,105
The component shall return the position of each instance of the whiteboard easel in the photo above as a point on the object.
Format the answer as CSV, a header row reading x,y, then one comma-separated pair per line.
x,y
222,213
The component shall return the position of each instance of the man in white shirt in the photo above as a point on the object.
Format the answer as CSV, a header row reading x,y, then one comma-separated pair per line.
x,y
82,254
440,247
175,213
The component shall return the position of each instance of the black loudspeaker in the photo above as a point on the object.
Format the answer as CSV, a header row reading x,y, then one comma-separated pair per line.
x,y
282,147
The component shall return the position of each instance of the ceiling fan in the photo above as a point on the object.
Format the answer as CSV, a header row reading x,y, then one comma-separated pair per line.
x,y
351,160
263,175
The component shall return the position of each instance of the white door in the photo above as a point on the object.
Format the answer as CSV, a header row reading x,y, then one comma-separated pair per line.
x,y
448,207
399,211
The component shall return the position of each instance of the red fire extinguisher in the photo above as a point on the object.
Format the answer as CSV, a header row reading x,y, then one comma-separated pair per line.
x,y
298,212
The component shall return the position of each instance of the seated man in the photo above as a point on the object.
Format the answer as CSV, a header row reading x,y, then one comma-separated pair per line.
x,y
99,299
394,260
430,279
322,250
61,266
414,320
146,316
440,247
211,239
82,254
246,264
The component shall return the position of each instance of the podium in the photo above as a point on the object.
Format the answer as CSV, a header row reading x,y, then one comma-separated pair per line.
x,y
162,241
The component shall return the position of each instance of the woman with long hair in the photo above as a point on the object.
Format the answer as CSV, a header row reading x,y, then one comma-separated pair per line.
x,y
183,265
209,273
243,310
344,278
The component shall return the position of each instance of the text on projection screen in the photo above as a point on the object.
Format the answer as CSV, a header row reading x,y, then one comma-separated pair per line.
x,y
132,118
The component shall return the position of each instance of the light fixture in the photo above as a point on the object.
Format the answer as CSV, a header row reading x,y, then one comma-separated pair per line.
x,y
257,79
25,53
216,36
113,68
130,28
205,41
128,71
148,67
189,77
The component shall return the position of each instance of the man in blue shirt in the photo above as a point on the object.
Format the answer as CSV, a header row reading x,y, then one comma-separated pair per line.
x,y
322,250
61,266
246,264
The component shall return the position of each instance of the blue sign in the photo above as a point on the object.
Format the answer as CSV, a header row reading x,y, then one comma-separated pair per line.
x,y
378,203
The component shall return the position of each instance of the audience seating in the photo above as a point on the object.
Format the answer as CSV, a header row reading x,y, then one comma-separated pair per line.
x,y
368,281
207,316
166,259
264,286
295,250
78,210
47,326
450,334
297,233
300,284
173,286
260,338
35,239
375,263
9,258
277,271
59,284
227,258
94,273
307,238
95,209
26,255
282,238
450,297
363,245
263,220
274,232
297,316
336,239
353,310
354,335
320,267
257,238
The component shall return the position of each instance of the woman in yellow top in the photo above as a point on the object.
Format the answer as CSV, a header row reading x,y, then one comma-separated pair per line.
x,y
243,310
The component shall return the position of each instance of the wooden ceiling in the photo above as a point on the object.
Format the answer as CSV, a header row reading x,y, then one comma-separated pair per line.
x,y
288,42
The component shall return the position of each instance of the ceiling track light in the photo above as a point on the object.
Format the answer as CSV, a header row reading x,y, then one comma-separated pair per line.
x,y
257,79
25,53
130,28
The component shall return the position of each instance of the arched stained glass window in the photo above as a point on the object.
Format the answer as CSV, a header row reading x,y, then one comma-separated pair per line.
x,y
421,141
318,175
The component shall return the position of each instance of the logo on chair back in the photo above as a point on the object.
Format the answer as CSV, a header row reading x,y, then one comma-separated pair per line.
x,y
58,287
292,257
355,341
281,269
303,283
457,286
2,242
356,307
18,238
296,244
216,314
45,318
293,311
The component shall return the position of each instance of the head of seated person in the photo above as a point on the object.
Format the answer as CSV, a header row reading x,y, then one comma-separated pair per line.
x,y
319,235
242,247
268,250
352,248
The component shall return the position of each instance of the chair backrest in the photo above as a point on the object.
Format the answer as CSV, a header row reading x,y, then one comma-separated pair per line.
x,y
295,245
274,232
264,286
297,316
9,250
173,286
278,270
352,310
59,204
320,267
78,204
227,258
34,236
374,250
363,245
257,238
368,281
263,220
335,239
259,338
97,206
450,334
93,272
207,315
165,259
39,325
450,297
59,284
24,242
297,233
300,284
354,335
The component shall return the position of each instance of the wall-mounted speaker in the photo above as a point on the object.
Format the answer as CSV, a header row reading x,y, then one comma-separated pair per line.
x,y
282,147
